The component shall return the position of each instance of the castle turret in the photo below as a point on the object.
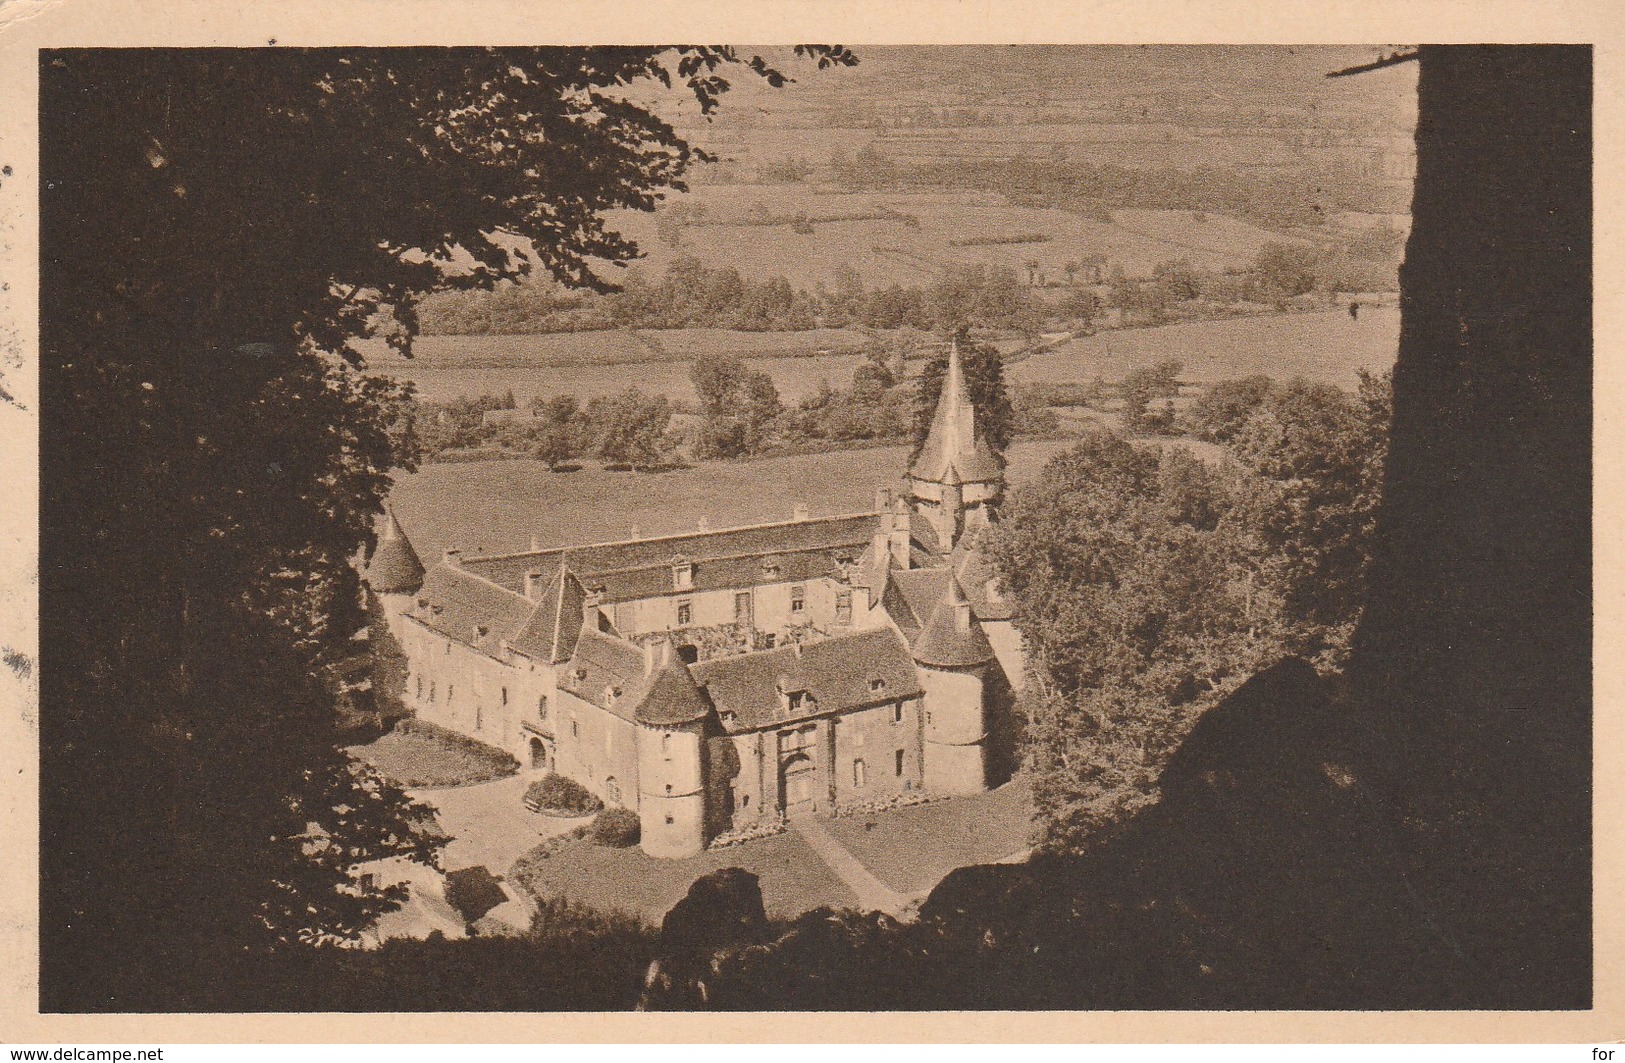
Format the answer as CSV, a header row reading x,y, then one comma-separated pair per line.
x,y
394,572
957,479
671,722
953,654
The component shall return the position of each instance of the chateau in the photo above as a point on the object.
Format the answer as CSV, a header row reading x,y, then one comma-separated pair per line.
x,y
720,679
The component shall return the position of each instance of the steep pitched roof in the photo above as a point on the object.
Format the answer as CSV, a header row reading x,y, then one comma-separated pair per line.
x,y
954,448
467,609
604,661
732,557
394,567
953,638
838,673
673,696
981,586
550,633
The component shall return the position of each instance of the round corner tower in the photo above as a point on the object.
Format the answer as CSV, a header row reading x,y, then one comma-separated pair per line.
x,y
671,735
953,655
394,574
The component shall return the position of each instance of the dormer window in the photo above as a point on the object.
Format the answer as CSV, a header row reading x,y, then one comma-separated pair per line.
x,y
771,569
876,685
480,631
682,576
611,695
798,598
579,675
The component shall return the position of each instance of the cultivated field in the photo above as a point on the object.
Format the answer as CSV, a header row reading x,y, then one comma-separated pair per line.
x,y
1329,347
603,363
895,250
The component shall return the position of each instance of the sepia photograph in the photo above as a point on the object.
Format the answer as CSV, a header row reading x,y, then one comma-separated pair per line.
x,y
812,528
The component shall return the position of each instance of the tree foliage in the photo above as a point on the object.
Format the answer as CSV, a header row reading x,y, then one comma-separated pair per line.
x,y
226,230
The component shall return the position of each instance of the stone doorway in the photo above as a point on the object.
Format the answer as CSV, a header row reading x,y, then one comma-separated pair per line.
x,y
799,788
541,758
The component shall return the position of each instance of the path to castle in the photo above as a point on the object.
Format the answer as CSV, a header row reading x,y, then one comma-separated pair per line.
x,y
489,823
872,893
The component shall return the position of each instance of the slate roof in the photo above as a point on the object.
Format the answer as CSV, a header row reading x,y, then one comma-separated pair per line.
x,y
954,450
728,558
550,633
947,641
603,661
394,567
837,672
673,697
462,606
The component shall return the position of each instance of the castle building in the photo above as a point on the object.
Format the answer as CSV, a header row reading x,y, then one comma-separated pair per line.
x,y
719,679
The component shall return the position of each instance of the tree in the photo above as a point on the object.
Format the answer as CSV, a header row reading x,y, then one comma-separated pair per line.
x,y
224,227
984,380
738,403
630,428
558,430
1143,599
1289,269
1141,386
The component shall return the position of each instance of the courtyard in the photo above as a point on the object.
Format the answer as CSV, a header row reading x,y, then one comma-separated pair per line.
x,y
884,860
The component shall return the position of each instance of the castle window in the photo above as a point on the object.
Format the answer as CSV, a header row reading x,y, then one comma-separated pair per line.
x,y
769,641
448,649
420,687
744,802
899,763
541,707
479,715
857,737
742,606
682,576
668,789
860,773
504,695
575,728
843,607
665,743
670,820
798,598
897,709
685,613
612,790
451,692
431,691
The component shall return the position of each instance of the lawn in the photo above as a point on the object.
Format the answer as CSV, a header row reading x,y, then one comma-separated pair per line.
x,y
424,756
911,849
793,878
496,506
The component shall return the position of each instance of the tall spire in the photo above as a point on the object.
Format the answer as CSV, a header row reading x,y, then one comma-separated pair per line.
x,y
954,441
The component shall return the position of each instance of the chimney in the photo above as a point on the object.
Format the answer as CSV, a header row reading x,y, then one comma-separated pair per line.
x,y
656,654
533,586
882,499
592,608
801,512
452,556
900,534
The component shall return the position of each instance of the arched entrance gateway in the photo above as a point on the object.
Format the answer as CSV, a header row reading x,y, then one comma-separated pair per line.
x,y
541,759
797,779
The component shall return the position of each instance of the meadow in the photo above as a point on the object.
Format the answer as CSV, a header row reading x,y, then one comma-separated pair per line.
x,y
497,506
1328,347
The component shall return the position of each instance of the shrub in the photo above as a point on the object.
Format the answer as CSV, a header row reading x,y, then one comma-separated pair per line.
x,y
617,828
555,795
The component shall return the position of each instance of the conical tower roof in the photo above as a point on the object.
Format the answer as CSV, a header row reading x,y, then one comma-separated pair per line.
x,y
673,696
952,638
954,443
394,568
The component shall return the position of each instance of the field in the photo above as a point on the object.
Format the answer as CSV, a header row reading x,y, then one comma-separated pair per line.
x,y
602,363
494,506
892,250
1328,347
